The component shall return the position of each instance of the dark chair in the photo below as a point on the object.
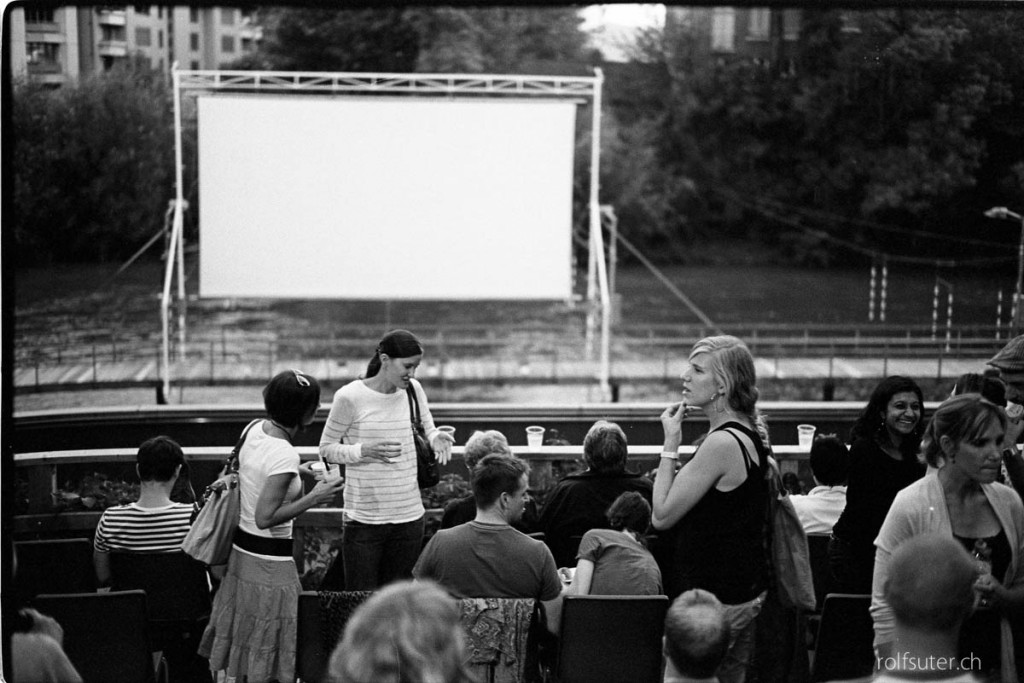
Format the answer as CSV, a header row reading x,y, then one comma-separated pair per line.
x,y
311,655
844,647
55,566
321,624
502,638
178,606
817,545
105,635
611,638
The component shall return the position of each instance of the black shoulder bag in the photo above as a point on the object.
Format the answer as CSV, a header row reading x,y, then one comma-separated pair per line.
x,y
427,473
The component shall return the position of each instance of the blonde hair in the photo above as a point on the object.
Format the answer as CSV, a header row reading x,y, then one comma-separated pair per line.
x,y
407,632
731,364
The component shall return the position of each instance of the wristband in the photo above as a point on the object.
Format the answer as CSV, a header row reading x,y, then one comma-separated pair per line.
x,y
1009,452
669,455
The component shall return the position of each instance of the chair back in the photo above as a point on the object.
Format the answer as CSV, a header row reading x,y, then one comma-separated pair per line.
x,y
321,625
500,639
105,634
177,587
55,566
817,545
844,645
608,638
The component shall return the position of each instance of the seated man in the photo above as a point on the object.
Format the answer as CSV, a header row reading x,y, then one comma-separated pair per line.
x,y
696,637
830,466
138,546
487,558
931,592
578,502
462,510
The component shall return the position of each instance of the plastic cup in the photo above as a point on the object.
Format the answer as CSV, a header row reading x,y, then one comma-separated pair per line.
x,y
534,437
449,430
319,470
333,472
806,435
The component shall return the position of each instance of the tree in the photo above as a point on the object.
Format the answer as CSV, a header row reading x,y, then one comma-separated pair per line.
x,y
308,39
897,123
93,166
423,39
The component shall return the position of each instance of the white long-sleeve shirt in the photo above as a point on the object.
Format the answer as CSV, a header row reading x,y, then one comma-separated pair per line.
x,y
376,492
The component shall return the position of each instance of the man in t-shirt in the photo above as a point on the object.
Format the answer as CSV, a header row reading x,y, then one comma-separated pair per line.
x,y
487,558
830,466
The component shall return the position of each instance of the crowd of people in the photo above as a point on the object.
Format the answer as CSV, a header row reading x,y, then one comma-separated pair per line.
x,y
924,514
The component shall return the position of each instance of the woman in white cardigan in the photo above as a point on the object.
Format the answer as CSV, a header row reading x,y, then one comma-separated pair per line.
x,y
963,499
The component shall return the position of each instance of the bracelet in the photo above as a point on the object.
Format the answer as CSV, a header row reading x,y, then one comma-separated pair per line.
x,y
1009,452
669,455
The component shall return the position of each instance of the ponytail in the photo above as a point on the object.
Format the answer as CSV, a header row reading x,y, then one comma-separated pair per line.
x,y
396,344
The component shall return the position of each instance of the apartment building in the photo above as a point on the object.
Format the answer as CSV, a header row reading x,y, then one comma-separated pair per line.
x,y
57,45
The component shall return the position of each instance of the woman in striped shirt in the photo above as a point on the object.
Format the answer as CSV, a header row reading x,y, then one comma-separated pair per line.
x,y
153,524
369,430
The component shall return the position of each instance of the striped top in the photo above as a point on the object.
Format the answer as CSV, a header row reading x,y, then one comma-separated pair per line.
x,y
376,492
129,528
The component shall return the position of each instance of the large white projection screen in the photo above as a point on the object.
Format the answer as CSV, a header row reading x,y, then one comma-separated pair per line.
x,y
385,197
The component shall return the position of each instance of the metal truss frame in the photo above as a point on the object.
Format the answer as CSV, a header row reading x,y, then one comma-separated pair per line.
x,y
397,84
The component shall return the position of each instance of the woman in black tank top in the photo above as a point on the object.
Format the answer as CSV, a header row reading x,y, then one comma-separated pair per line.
x,y
712,510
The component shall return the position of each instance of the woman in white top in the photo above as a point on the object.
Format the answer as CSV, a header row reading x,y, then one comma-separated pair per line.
x,y
369,430
252,630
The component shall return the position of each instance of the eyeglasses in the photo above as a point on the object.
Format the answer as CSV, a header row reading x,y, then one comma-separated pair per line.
x,y
300,378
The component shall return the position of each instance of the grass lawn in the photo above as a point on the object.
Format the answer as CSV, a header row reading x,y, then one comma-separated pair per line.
x,y
726,294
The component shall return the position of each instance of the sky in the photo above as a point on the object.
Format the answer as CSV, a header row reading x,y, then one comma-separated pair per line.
x,y
611,26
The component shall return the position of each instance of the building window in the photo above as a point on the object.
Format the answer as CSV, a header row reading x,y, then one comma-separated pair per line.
x,y
227,43
159,12
195,65
193,41
791,24
723,29
759,22
227,16
112,33
159,38
193,15
142,9
43,54
246,44
143,37
39,16
849,22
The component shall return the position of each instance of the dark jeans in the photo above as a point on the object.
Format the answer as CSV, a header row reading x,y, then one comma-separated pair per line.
x,y
377,554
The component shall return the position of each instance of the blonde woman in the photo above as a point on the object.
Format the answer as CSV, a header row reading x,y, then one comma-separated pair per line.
x,y
712,511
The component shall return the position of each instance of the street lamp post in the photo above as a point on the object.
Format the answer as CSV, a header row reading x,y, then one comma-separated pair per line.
x,y
1003,212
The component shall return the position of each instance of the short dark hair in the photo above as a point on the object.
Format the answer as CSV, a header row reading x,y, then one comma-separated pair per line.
x,y
830,460
158,458
290,396
629,511
604,447
497,474
696,634
992,388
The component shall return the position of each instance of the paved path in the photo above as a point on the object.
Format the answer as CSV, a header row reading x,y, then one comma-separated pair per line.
x,y
195,372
